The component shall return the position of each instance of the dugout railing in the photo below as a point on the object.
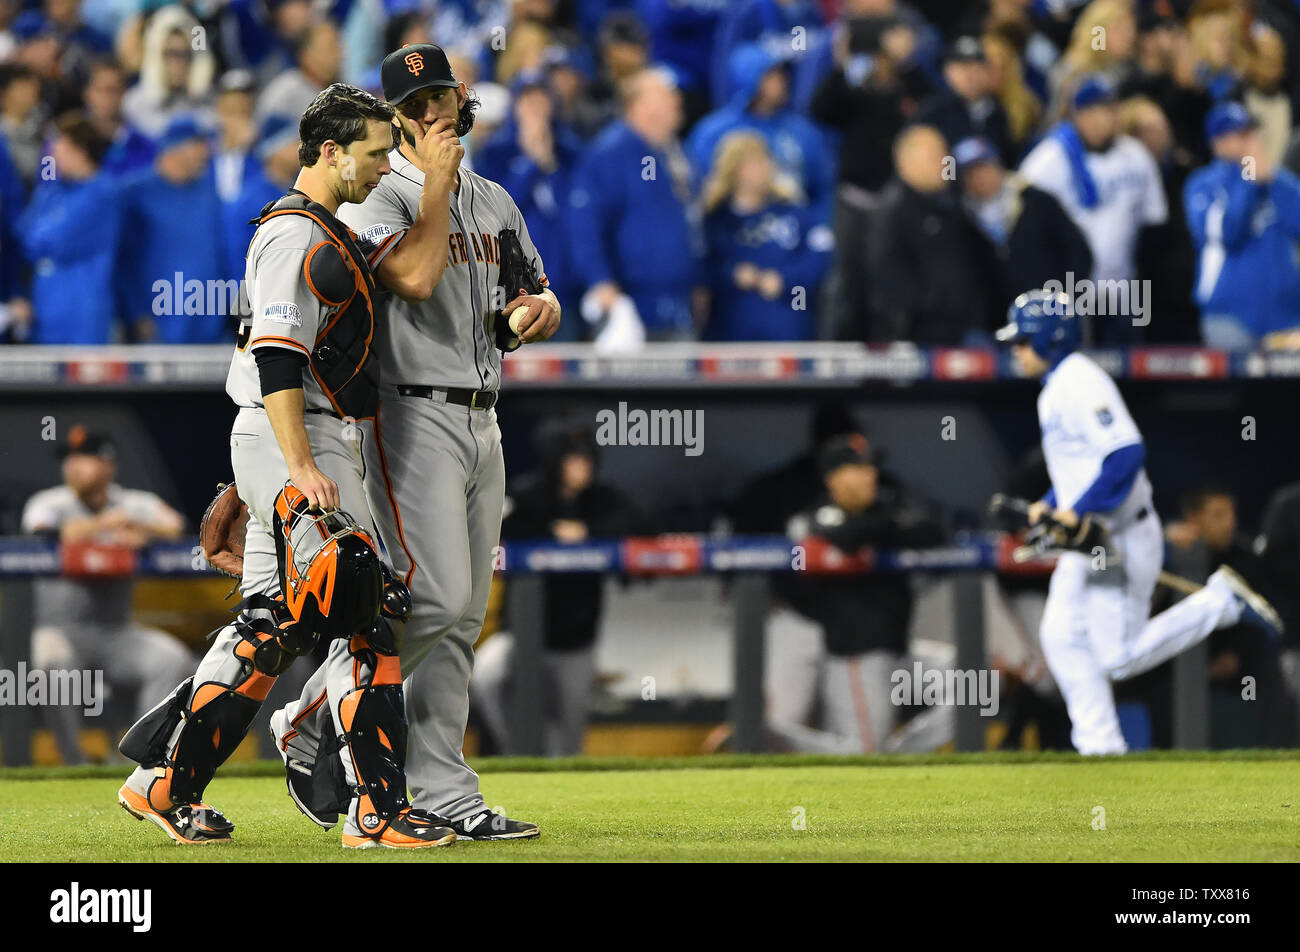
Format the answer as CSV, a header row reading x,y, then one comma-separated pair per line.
x,y
1206,415
748,560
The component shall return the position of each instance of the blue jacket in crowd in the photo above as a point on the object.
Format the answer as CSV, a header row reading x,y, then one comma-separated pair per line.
x,y
255,191
682,35
543,199
12,200
131,151
770,24
633,227
170,229
1246,234
70,232
798,147
784,238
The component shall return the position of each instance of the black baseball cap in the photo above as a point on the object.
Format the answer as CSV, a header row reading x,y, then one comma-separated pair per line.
x,y
965,49
412,68
82,441
623,26
840,450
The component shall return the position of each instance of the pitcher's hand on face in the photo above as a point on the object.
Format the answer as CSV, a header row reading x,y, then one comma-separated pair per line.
x,y
320,490
437,145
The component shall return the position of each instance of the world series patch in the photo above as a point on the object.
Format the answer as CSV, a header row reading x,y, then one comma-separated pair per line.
x,y
283,312
375,233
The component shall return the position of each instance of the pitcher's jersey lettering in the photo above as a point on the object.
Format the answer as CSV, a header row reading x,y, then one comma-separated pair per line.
x,y
446,340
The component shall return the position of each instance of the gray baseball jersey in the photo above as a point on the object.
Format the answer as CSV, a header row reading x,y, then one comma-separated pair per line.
x,y
62,601
86,623
284,311
447,340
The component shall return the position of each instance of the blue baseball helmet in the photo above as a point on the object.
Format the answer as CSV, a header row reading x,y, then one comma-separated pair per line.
x,y
1045,321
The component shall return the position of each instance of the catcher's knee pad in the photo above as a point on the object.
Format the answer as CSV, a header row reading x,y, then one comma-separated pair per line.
x,y
330,573
277,640
215,726
382,638
373,718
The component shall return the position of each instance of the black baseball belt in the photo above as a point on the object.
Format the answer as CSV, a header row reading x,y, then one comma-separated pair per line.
x,y
474,399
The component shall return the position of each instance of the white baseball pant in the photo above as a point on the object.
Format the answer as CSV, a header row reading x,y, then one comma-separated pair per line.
x,y
1096,628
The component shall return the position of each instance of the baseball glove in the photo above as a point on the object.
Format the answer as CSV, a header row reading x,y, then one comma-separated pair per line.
x,y
221,534
515,272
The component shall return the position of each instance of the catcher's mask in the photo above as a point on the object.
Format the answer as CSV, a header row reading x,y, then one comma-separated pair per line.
x,y
330,573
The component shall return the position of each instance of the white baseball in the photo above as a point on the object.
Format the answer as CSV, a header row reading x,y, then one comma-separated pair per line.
x,y
516,317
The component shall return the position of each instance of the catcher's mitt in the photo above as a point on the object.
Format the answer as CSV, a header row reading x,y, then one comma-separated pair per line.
x,y
221,534
515,272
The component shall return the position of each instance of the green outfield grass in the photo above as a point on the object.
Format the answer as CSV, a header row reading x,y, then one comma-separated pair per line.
x,y
1179,807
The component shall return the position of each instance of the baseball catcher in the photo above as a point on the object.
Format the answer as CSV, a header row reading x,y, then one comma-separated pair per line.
x,y
303,375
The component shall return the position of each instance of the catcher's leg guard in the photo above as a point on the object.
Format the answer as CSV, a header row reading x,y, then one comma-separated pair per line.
x,y
147,740
205,730
328,792
329,789
372,716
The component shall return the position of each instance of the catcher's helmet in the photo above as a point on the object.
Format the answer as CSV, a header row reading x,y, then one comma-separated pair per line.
x,y
1045,321
330,573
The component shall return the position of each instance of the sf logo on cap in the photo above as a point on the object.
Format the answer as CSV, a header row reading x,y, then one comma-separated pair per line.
x,y
414,62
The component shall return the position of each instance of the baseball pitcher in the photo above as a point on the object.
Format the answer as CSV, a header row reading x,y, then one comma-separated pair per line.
x,y
435,472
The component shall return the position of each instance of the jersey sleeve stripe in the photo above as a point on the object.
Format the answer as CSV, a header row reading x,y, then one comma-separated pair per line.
x,y
384,247
286,342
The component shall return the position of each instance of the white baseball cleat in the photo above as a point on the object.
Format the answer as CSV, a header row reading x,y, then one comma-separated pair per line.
x,y
1255,608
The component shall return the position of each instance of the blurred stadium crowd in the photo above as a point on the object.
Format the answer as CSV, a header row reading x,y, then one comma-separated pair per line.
x,y
720,169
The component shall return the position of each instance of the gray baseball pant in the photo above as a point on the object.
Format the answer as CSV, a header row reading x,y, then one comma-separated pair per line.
x,y
260,473
435,477
131,656
856,707
567,681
